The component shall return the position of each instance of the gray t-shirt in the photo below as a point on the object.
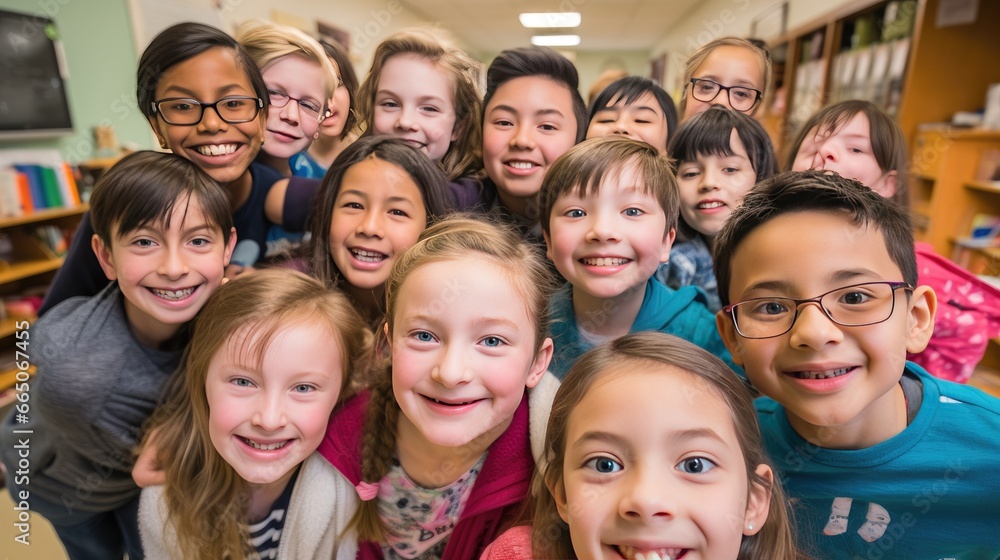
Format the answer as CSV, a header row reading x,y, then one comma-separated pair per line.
x,y
94,388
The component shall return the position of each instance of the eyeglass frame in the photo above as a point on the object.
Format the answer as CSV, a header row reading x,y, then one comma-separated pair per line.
x,y
156,109
818,300
694,83
320,115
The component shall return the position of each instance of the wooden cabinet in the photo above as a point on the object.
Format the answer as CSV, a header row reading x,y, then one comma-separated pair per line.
x,y
32,266
947,69
945,194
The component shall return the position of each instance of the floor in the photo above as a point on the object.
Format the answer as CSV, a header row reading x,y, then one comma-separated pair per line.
x,y
42,541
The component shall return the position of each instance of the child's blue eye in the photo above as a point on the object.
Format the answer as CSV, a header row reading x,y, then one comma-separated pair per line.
x,y
633,212
604,465
423,336
304,388
492,341
696,465
242,382
576,213
144,242
200,242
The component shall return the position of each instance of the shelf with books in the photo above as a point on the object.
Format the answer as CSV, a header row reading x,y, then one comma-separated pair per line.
x,y
891,52
953,196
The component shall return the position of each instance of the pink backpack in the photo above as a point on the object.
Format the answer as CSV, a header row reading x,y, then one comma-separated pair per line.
x,y
968,316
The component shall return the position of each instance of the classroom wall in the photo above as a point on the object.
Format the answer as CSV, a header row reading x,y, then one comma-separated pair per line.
x,y
712,19
101,59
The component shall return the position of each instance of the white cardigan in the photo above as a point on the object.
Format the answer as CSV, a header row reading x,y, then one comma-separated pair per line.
x,y
321,505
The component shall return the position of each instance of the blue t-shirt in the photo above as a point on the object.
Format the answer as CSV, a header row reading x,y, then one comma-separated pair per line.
x,y
681,313
303,165
930,492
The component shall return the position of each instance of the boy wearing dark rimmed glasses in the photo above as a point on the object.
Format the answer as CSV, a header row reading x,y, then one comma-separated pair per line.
x,y
818,280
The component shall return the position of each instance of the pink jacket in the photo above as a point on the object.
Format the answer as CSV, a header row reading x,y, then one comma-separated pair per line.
x,y
497,495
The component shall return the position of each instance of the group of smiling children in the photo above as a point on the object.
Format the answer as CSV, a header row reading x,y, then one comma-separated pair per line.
x,y
413,384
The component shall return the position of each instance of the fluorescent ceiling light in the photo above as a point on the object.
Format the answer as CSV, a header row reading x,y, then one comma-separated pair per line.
x,y
559,19
555,40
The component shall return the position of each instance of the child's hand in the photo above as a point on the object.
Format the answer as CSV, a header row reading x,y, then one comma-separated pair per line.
x,y
147,470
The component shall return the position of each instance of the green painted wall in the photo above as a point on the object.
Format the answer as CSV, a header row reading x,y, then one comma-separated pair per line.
x,y
100,55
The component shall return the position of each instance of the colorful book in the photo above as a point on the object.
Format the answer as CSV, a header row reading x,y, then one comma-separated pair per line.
x,y
24,194
50,183
35,185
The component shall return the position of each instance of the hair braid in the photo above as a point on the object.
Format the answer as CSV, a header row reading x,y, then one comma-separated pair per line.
x,y
377,448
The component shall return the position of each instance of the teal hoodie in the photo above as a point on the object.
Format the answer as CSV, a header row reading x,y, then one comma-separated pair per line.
x,y
681,313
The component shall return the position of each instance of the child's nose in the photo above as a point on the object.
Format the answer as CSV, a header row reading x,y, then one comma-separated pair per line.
x,y
211,121
523,137
648,496
603,227
291,111
452,369
405,119
269,414
813,328
371,224
173,265
710,178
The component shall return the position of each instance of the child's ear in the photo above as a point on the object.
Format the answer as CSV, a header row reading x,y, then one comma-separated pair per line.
x,y
922,306
668,242
759,502
727,330
229,247
156,131
540,365
104,257
886,186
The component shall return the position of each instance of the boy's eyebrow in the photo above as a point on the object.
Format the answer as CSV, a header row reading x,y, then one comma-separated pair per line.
x,y
838,276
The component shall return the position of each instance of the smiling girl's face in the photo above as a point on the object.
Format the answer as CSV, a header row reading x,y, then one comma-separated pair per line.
x,y
650,469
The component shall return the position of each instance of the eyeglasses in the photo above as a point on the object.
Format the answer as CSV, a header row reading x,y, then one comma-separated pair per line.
x,y
741,98
851,306
181,111
312,108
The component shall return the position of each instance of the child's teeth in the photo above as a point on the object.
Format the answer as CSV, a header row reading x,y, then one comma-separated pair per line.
x,y
368,256
605,261
174,294
521,164
265,446
710,205
217,149
823,374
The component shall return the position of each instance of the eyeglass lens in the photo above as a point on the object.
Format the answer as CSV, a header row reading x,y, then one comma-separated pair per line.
x,y
189,111
851,306
741,98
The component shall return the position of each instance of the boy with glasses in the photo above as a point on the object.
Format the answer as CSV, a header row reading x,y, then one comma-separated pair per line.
x,y
818,280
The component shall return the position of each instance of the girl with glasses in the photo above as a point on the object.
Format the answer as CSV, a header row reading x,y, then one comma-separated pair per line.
x,y
729,71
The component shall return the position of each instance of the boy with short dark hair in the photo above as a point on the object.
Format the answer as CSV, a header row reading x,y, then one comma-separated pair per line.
x,y
608,212
164,235
818,279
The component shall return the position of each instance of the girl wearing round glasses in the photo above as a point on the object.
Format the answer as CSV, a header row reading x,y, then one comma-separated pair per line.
x,y
729,71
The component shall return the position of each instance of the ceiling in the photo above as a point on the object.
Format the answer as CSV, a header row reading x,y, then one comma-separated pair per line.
x,y
608,25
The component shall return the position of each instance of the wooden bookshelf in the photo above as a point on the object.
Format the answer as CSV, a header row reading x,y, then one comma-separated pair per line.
x,y
31,266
